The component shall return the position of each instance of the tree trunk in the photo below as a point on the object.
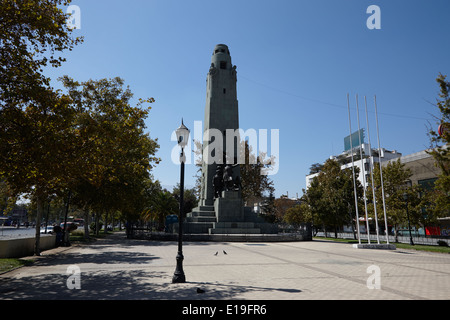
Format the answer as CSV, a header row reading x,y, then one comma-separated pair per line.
x,y
86,224
351,221
105,226
97,224
37,242
335,226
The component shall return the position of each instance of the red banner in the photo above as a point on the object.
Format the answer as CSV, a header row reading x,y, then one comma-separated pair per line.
x,y
433,231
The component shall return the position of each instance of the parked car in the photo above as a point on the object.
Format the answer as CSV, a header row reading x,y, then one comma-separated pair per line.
x,y
71,226
49,230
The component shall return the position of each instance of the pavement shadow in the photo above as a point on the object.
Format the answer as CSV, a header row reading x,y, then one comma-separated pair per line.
x,y
123,285
115,257
119,285
216,290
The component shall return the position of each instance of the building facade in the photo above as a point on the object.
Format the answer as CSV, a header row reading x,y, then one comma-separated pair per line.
x,y
371,158
423,169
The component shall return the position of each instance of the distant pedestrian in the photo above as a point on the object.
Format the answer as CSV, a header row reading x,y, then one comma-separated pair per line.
x,y
58,231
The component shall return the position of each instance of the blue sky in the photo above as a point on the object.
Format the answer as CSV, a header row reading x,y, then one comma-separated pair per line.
x,y
296,63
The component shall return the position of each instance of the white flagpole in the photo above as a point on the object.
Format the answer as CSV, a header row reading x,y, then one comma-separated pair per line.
x,y
353,170
363,172
371,174
381,174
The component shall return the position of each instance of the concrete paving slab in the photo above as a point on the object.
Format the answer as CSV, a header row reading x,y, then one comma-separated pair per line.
x,y
117,268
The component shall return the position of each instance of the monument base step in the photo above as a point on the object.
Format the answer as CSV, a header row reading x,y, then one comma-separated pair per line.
x,y
234,231
194,227
239,225
201,219
202,211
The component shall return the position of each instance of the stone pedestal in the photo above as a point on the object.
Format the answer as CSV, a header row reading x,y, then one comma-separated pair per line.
x,y
229,208
200,220
234,218
227,216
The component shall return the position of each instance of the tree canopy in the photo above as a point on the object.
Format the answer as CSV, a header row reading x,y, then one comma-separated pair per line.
x,y
35,120
331,196
439,140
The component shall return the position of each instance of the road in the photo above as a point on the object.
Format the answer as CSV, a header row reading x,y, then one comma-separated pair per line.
x,y
14,233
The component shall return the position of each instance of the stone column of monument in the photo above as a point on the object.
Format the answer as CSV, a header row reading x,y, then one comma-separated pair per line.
x,y
221,113
222,212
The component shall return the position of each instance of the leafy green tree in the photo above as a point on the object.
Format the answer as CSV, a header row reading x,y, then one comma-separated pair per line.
x,y
395,177
331,196
34,120
162,204
281,206
337,192
298,214
315,168
254,183
6,201
189,196
36,149
313,196
114,154
440,151
32,36
268,205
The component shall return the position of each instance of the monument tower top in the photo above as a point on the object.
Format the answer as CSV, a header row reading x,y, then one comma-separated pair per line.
x,y
221,58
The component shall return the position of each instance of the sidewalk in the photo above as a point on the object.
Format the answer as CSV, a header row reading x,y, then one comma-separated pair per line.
x,y
119,268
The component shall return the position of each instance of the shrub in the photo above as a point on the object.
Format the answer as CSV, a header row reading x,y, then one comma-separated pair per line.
x,y
442,243
93,225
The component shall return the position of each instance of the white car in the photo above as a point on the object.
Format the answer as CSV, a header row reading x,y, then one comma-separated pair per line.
x,y
49,230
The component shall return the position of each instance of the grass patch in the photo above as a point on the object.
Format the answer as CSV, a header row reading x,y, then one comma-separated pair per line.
x,y
78,236
351,241
421,247
418,247
9,264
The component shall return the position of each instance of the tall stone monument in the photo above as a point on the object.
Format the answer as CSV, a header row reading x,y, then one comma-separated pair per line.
x,y
221,113
221,209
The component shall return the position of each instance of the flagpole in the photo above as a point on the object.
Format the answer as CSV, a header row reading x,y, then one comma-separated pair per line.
x,y
381,173
363,172
371,173
353,170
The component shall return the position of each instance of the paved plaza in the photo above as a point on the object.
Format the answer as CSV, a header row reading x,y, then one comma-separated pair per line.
x,y
119,268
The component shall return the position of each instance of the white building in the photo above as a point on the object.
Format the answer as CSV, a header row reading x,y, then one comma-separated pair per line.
x,y
364,165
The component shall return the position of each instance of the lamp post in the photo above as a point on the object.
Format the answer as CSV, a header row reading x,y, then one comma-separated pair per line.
x,y
182,138
405,197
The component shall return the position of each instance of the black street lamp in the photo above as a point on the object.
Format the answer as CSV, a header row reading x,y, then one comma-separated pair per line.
x,y
405,197
182,137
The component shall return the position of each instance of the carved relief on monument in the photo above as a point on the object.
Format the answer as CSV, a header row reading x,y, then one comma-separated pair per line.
x,y
212,70
234,73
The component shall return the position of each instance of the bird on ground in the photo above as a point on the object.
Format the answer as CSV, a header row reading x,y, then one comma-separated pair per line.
x,y
216,253
224,252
